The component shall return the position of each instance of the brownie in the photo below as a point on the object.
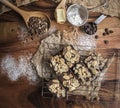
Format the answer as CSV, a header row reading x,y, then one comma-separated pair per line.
x,y
70,81
58,64
55,87
102,62
92,62
82,73
71,56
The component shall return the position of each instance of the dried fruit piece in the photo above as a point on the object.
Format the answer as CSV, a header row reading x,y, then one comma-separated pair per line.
x,y
110,31
96,36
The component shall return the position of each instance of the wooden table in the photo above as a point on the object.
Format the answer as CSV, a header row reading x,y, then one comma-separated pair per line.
x,y
20,94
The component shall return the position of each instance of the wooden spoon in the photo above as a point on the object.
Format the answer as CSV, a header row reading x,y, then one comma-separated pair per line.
x,y
26,14
60,12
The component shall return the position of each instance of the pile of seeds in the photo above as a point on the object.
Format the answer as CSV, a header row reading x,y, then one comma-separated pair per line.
x,y
37,25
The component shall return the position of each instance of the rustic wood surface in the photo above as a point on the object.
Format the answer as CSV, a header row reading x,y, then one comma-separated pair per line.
x,y
20,94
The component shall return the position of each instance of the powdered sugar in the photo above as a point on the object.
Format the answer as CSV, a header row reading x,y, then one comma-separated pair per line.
x,y
16,68
86,42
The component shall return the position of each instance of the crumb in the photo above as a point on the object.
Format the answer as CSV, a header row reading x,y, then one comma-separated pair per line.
x,y
107,33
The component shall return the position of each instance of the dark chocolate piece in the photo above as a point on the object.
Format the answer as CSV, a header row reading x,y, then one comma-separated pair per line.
x,y
90,28
96,36
104,34
106,41
106,30
82,73
110,31
37,25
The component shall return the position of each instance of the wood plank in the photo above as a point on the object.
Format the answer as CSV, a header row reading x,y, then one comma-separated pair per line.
x,y
21,94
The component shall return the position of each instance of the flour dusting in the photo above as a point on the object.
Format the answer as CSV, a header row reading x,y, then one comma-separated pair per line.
x,y
16,68
87,42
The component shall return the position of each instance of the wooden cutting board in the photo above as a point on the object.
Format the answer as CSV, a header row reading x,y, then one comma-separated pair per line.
x,y
21,94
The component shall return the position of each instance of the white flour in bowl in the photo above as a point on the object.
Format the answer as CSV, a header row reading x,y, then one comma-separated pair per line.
x,y
74,16
20,67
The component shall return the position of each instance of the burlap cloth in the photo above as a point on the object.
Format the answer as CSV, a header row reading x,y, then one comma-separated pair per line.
x,y
113,8
3,8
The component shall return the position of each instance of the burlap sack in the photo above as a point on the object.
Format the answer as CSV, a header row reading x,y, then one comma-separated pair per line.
x,y
3,8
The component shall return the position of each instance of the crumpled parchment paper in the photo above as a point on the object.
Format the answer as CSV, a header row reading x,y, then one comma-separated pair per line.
x,y
52,44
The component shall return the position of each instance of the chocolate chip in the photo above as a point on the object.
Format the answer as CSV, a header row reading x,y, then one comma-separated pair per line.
x,y
106,30
107,33
37,25
106,41
104,34
96,36
110,31
90,28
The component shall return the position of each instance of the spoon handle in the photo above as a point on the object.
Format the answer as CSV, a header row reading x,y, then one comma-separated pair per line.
x,y
10,5
61,4
100,19
63,1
